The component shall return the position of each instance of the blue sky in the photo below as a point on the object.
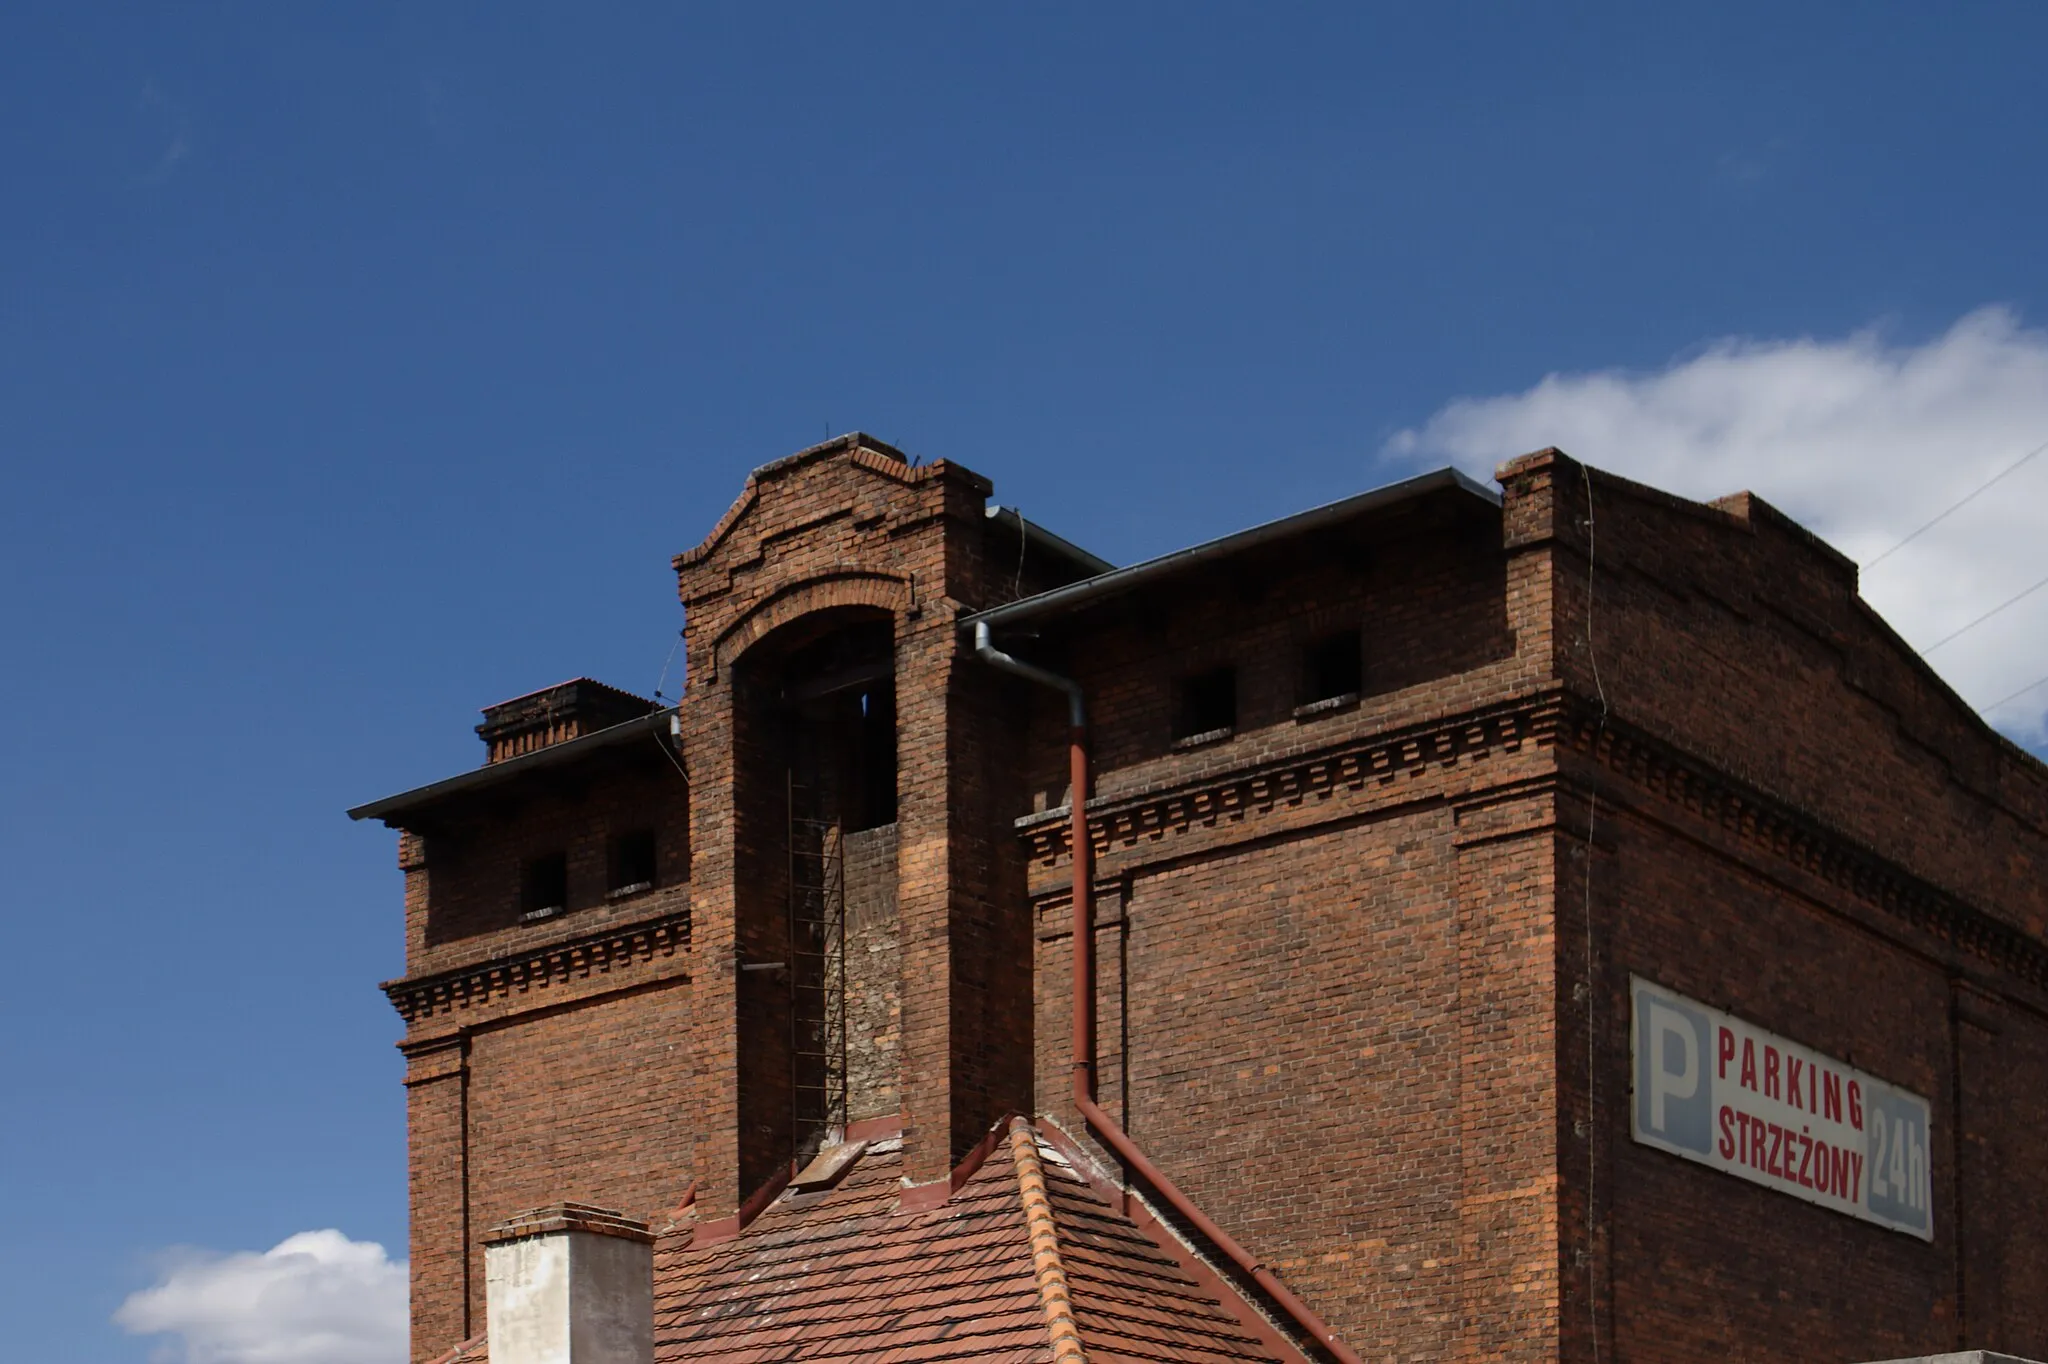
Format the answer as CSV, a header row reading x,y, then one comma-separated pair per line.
x,y
362,365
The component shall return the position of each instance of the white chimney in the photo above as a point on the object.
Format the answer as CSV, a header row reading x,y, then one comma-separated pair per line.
x,y
569,1284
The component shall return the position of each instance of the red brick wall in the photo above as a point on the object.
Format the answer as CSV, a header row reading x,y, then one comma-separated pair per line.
x,y
849,526
1347,991
472,861
1313,1054
2003,1092
1795,823
519,1033
1740,639
590,1103
438,1183
1325,987
1426,587
1277,939
1699,1258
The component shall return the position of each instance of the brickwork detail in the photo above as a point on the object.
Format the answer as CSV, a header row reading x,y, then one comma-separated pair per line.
x,y
1795,838
1382,759
1362,959
421,998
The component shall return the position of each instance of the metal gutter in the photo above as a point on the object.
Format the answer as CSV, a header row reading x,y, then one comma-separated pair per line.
x,y
493,774
1121,580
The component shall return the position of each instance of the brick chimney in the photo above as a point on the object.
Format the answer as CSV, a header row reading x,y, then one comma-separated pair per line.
x,y
569,1284
555,715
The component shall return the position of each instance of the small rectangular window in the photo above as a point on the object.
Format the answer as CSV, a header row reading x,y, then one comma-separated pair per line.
x,y
544,889
1207,707
632,863
1333,670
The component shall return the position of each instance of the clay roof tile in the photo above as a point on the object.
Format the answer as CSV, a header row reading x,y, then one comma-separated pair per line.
x,y
1026,1263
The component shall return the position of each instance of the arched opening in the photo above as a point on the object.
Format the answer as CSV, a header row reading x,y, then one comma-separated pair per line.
x,y
815,800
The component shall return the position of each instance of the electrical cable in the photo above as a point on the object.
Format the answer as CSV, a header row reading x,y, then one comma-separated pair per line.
x,y
1967,499
661,742
2009,601
662,681
2006,700
1023,542
668,751
1592,1068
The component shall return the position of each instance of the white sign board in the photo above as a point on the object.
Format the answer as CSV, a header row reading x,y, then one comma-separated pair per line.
x,y
1723,1092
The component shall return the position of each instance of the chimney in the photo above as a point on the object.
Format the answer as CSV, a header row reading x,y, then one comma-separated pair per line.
x,y
569,1284
555,715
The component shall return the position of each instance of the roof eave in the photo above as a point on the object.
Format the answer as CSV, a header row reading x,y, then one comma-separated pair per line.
x,y
393,809
1120,580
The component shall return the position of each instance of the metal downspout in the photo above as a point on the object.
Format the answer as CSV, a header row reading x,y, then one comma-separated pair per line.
x,y
1107,1127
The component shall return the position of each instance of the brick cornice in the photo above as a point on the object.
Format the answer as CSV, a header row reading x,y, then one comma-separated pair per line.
x,y
1770,825
1779,829
559,963
1380,759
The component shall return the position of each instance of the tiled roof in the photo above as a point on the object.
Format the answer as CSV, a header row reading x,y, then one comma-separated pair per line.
x,y
1026,1263
1133,1298
846,1274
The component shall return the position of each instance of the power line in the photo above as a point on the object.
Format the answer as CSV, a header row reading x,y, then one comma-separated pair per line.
x,y
2005,700
662,681
1967,499
2009,601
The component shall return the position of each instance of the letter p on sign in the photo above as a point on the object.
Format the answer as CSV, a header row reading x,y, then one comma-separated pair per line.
x,y
1673,1101
1668,1025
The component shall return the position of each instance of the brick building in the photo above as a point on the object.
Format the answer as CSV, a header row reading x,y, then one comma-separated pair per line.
x,y
1480,889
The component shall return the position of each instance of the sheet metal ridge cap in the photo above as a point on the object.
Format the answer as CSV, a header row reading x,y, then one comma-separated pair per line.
x,y
1123,579
490,774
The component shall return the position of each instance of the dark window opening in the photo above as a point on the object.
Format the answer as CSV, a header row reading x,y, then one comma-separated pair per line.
x,y
872,799
632,863
544,889
1333,668
841,690
1208,706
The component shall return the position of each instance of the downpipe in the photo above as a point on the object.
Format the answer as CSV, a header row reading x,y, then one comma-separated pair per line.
x,y
1097,1118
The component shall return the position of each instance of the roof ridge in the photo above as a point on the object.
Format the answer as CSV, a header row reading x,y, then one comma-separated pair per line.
x,y
1046,1267
461,1351
1091,1198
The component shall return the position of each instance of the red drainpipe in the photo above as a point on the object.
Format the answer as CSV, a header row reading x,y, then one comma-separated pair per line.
x,y
1105,1126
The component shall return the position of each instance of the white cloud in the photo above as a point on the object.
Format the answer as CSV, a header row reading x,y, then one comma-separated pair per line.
x,y
314,1298
1861,440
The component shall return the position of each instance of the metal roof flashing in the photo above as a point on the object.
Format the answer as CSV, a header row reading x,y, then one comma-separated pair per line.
x,y
1120,580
